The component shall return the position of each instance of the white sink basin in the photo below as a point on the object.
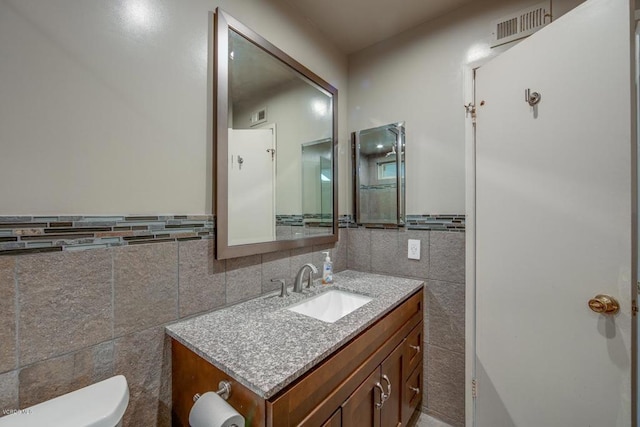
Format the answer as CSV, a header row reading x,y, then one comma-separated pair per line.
x,y
331,305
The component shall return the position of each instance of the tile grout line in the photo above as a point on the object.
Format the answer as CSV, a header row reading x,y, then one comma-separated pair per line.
x,y
261,275
28,365
445,349
178,282
450,282
428,248
226,268
113,295
430,252
16,290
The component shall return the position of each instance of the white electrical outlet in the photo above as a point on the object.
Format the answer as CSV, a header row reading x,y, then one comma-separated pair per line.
x,y
414,249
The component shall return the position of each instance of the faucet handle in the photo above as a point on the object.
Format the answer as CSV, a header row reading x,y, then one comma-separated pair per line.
x,y
283,289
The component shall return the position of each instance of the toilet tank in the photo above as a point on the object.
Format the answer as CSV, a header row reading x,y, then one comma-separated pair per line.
x,y
98,405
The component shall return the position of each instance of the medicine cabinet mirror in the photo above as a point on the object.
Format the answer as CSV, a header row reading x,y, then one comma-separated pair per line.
x,y
379,169
275,126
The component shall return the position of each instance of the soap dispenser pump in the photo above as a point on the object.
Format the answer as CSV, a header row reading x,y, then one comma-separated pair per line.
x,y
327,270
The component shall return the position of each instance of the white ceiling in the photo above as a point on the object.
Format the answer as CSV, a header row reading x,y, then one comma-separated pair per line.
x,y
353,25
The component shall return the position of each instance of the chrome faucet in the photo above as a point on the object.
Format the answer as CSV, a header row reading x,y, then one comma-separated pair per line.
x,y
297,285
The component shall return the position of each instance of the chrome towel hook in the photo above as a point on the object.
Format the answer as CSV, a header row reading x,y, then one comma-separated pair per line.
x,y
532,98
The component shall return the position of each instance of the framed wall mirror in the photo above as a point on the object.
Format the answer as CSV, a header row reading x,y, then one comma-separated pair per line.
x,y
275,142
379,169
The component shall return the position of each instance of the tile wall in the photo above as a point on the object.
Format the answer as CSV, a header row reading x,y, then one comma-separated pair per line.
x,y
442,267
70,318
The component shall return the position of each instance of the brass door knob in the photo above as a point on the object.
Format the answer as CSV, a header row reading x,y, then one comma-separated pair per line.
x,y
604,304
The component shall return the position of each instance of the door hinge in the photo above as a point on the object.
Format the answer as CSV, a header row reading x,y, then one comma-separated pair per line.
x,y
634,309
474,388
470,108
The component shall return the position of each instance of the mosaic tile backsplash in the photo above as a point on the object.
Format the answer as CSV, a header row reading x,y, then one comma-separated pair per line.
x,y
436,222
33,234
416,222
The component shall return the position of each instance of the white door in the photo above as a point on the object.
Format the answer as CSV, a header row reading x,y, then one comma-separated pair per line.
x,y
554,225
252,217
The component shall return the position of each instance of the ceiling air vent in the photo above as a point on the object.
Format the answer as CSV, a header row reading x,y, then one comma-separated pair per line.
x,y
258,117
521,24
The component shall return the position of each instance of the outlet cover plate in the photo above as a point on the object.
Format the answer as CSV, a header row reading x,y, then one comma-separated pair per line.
x,y
414,249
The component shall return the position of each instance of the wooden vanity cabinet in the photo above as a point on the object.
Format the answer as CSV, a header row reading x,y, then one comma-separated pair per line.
x,y
368,404
358,409
335,420
343,390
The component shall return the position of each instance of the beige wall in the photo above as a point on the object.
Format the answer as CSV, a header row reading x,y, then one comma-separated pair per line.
x,y
417,77
297,122
107,109
106,106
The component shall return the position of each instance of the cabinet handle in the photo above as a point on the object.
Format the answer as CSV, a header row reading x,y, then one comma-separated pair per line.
x,y
388,394
415,347
383,396
416,390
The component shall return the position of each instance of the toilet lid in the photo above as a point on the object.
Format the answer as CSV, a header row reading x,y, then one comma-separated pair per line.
x,y
98,405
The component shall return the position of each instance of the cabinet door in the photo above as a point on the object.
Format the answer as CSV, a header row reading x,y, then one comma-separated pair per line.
x,y
392,380
335,420
360,409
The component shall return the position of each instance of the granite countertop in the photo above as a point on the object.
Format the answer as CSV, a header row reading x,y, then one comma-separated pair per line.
x,y
266,347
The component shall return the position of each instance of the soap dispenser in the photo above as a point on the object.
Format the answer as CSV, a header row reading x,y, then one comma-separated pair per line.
x,y
327,270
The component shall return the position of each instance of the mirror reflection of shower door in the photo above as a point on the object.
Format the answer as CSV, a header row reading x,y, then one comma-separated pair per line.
x,y
251,186
326,189
380,177
317,181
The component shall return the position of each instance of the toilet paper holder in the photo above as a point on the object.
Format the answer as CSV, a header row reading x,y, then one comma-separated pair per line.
x,y
224,391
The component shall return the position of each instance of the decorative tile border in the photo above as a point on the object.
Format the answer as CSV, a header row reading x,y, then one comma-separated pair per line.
x,y
295,220
314,220
436,222
346,221
415,222
378,187
33,234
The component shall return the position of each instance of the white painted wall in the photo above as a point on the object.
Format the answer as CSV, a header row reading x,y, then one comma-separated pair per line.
x,y
106,106
417,77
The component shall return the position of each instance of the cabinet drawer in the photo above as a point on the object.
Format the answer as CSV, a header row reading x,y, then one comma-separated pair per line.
x,y
412,395
414,348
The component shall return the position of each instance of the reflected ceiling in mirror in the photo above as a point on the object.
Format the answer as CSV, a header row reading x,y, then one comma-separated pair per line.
x,y
269,107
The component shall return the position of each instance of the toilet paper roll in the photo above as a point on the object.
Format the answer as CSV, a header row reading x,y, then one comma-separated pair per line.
x,y
213,411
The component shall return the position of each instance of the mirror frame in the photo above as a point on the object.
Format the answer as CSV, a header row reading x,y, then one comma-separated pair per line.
x,y
223,23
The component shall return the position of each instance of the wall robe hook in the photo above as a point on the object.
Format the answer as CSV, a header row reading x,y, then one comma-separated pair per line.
x,y
272,151
532,97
